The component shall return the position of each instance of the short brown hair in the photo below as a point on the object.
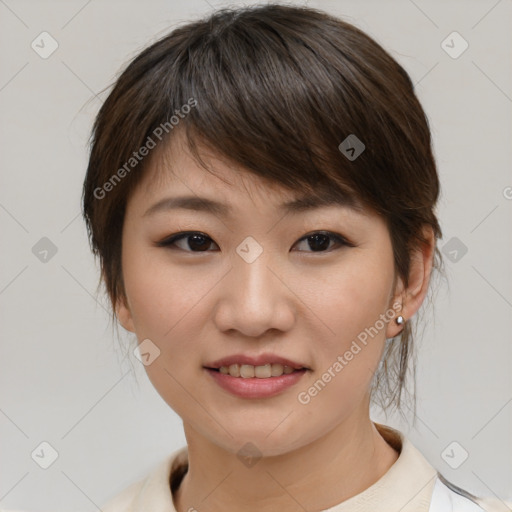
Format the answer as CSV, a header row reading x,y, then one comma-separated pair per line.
x,y
277,88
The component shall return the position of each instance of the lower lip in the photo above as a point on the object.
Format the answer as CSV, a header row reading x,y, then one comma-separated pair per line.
x,y
255,387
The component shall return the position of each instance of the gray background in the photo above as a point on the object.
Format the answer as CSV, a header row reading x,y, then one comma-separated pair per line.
x,y
64,380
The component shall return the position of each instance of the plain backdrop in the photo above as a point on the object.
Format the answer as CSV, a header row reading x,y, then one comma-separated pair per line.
x,y
64,379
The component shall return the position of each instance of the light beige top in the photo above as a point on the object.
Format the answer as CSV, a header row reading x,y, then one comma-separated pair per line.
x,y
410,485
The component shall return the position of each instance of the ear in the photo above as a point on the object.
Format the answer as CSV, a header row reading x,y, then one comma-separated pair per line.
x,y
124,315
412,297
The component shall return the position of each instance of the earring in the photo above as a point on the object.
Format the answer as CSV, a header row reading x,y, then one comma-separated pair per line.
x,y
400,320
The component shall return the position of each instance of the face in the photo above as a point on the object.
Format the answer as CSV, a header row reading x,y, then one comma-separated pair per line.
x,y
314,287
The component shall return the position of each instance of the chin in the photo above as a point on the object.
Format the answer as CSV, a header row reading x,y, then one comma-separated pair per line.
x,y
255,442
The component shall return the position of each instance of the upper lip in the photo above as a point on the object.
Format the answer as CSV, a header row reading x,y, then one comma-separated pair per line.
x,y
259,360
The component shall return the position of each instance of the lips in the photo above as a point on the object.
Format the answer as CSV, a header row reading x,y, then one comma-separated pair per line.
x,y
260,360
256,387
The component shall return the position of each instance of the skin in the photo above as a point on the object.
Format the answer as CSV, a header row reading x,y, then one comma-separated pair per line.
x,y
305,305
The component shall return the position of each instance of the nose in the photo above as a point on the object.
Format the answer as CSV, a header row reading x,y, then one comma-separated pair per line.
x,y
254,298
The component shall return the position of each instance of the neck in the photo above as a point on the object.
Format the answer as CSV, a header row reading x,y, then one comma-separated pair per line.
x,y
344,462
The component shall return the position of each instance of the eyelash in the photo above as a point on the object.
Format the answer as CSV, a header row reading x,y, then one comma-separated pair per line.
x,y
170,241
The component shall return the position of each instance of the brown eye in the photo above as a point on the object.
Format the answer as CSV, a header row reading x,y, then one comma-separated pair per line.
x,y
321,240
189,242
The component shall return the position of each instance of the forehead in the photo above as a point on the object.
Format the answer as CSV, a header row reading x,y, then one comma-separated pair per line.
x,y
174,180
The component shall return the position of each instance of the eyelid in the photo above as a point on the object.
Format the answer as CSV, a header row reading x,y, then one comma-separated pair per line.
x,y
168,241
335,236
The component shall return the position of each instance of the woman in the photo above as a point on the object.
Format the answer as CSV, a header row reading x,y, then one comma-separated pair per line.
x,y
261,193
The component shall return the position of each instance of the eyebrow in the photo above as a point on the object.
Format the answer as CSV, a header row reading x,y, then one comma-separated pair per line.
x,y
295,206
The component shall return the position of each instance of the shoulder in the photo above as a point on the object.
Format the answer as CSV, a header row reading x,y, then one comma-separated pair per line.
x,y
125,500
447,497
154,491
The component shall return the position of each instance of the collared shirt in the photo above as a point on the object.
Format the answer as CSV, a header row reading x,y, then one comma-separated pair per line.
x,y
411,484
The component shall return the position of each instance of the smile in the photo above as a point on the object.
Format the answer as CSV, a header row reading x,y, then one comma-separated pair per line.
x,y
256,387
248,371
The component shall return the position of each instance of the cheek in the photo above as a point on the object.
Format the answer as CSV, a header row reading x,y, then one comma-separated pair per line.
x,y
166,299
350,304
166,303
348,354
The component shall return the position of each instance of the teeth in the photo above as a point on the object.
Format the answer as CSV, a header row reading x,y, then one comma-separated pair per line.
x,y
248,371
234,370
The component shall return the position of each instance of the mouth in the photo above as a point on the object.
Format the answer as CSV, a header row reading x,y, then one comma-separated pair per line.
x,y
249,371
256,382
263,366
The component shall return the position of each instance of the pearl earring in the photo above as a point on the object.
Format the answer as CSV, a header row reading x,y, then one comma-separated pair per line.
x,y
400,320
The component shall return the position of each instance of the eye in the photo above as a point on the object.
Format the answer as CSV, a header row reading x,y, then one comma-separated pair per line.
x,y
195,241
320,241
